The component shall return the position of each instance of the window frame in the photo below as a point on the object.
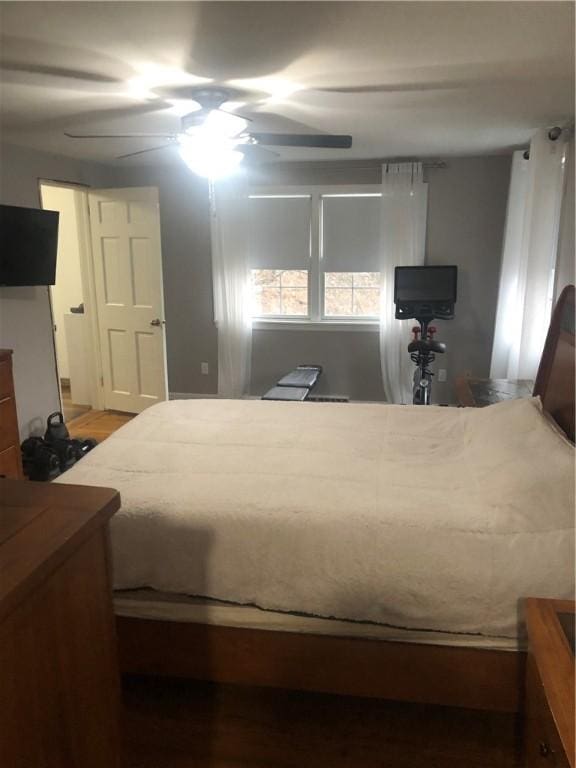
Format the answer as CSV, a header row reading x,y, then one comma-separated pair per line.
x,y
316,319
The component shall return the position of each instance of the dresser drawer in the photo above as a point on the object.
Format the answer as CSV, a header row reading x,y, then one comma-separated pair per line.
x,y
10,463
8,424
6,384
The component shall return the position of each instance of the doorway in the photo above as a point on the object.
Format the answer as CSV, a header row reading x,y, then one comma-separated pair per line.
x,y
71,321
107,302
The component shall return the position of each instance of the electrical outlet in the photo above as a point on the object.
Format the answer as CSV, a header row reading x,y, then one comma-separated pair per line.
x,y
442,374
204,369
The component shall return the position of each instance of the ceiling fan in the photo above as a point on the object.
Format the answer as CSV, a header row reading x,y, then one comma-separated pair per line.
x,y
212,141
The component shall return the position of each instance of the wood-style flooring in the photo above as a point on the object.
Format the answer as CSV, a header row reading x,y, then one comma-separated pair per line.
x,y
69,409
97,424
183,724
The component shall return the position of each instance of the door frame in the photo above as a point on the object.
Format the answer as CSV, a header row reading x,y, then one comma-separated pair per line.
x,y
88,287
87,270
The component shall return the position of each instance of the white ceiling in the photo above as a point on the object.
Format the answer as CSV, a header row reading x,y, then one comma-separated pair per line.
x,y
409,78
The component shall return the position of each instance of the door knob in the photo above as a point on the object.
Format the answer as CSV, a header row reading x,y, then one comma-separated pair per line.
x,y
157,321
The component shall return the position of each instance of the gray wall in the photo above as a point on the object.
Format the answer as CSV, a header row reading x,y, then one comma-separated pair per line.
x,y
25,319
466,213
467,207
191,336
351,360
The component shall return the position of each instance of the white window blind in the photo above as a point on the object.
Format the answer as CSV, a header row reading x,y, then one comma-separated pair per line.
x,y
351,233
280,232
350,263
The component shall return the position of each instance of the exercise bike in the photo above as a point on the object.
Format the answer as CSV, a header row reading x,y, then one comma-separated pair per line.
x,y
424,293
423,350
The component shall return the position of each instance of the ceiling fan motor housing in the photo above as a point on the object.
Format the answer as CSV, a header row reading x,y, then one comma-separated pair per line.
x,y
210,98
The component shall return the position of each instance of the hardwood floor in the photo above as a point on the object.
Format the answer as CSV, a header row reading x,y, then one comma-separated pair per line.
x,y
97,424
70,410
182,724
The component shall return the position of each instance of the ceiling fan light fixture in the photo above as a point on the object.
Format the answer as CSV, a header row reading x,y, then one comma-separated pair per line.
x,y
217,124
212,159
225,124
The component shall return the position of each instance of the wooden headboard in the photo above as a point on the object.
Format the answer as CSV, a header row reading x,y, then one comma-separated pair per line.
x,y
555,378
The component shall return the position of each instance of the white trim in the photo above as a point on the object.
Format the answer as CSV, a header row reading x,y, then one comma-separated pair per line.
x,y
206,396
278,196
368,326
316,320
90,303
84,241
193,396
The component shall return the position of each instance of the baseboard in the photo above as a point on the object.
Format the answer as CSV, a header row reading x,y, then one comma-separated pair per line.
x,y
192,395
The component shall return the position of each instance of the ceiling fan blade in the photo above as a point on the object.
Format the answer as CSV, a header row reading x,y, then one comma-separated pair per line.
x,y
58,72
303,140
120,135
236,114
393,88
143,151
254,153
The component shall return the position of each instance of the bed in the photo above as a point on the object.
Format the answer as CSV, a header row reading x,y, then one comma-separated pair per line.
x,y
364,549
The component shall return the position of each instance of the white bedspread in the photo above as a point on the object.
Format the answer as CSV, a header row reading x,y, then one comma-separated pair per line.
x,y
418,517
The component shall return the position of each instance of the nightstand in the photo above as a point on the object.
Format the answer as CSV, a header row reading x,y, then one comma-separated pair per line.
x,y
549,703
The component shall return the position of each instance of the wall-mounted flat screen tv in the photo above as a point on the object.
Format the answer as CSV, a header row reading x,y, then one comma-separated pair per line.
x,y
28,246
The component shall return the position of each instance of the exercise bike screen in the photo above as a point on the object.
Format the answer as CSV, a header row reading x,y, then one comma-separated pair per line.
x,y
425,284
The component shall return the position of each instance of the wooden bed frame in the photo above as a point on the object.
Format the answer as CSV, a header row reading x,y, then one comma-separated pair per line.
x,y
455,676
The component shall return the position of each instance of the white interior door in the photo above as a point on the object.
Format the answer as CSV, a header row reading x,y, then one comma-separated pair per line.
x,y
125,231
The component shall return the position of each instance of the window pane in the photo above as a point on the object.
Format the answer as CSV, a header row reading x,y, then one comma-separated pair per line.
x,y
338,302
338,279
295,301
366,279
352,294
278,292
266,301
366,302
266,277
294,278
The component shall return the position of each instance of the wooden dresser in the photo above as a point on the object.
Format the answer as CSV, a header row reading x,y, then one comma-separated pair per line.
x,y
59,680
10,458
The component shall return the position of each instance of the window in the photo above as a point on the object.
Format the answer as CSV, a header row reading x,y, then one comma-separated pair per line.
x,y
315,254
351,294
349,254
280,292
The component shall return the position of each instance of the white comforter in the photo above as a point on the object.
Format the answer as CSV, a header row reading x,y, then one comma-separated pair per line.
x,y
419,517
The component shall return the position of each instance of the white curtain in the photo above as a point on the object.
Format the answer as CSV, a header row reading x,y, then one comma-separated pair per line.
x,y
404,206
529,258
229,218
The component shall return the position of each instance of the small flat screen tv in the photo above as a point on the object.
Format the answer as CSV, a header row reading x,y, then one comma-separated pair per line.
x,y
425,284
28,246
